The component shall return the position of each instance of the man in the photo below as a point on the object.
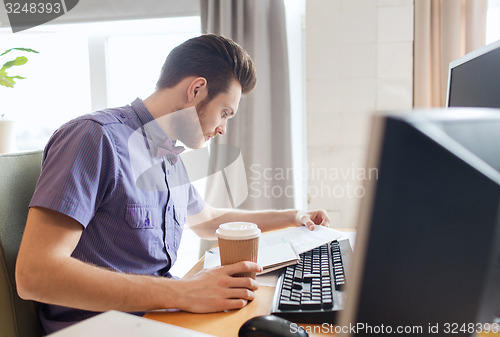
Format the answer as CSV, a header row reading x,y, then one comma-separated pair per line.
x,y
106,217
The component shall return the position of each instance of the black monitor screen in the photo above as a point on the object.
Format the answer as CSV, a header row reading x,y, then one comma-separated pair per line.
x,y
474,80
427,251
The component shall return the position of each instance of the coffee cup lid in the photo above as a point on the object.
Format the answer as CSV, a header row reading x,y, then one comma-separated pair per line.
x,y
237,231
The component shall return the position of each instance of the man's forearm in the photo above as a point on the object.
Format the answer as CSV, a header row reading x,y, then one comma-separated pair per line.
x,y
206,224
266,220
83,286
72,283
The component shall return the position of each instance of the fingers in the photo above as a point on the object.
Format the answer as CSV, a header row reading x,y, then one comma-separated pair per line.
x,y
242,282
240,294
311,219
215,289
233,304
310,224
238,291
242,267
304,219
325,219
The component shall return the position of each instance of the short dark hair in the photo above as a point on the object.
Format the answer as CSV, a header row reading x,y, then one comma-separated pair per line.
x,y
214,57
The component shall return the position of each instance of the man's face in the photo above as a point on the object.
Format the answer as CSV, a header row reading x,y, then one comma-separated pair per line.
x,y
213,116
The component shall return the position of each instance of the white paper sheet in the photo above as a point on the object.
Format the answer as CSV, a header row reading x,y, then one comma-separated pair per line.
x,y
119,324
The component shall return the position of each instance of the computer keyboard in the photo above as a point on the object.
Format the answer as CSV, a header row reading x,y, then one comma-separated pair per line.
x,y
312,290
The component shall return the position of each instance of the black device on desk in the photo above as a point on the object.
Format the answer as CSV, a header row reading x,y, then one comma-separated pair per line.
x,y
474,79
311,291
427,256
270,326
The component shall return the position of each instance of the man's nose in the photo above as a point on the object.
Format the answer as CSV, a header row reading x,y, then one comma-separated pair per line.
x,y
221,129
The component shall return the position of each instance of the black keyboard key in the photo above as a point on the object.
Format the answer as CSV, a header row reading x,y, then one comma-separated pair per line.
x,y
327,304
297,275
308,278
289,305
286,293
310,305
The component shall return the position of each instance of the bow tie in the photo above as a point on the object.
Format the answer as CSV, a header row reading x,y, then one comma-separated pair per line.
x,y
168,149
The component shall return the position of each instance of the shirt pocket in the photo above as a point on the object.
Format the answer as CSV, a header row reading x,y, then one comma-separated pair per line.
x,y
142,216
142,236
180,214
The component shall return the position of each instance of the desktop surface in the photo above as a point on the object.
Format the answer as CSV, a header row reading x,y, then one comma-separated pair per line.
x,y
220,324
228,323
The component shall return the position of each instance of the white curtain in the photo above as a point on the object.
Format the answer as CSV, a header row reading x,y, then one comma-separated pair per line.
x,y
445,30
261,128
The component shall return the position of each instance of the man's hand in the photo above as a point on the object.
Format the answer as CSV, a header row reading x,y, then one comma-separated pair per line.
x,y
215,289
312,218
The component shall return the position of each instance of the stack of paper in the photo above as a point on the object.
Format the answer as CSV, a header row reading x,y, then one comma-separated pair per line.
x,y
281,248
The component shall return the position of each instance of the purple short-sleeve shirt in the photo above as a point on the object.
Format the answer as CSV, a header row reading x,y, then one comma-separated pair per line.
x,y
102,170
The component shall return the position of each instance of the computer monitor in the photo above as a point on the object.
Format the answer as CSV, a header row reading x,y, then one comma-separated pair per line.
x,y
474,79
427,254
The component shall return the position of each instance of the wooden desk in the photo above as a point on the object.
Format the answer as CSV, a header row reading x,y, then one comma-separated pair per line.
x,y
225,324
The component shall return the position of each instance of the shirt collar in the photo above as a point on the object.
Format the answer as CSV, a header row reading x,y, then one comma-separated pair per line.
x,y
153,132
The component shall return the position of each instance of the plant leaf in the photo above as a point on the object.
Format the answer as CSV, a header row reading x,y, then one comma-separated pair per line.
x,y
17,62
8,81
21,49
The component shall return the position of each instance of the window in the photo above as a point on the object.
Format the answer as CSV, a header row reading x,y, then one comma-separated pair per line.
x,y
295,11
56,87
135,57
493,21
84,67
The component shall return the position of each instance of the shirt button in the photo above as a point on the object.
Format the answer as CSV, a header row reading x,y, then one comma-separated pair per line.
x,y
122,115
146,222
168,208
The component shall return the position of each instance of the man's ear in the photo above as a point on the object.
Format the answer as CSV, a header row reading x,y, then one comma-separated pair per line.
x,y
197,90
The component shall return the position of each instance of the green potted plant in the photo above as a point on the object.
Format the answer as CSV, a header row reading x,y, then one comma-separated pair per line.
x,y
7,135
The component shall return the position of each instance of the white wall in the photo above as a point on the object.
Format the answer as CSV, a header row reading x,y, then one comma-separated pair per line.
x,y
359,60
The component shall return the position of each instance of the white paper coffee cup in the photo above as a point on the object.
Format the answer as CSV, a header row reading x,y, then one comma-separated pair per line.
x,y
238,241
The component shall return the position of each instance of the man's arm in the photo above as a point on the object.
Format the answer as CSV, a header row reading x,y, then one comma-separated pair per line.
x,y
205,223
46,272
